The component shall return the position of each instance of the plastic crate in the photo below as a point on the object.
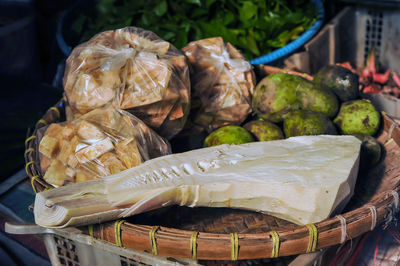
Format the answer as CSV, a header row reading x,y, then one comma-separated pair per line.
x,y
350,36
72,248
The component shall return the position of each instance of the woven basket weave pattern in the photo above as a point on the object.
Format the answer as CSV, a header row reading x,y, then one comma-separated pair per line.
x,y
258,235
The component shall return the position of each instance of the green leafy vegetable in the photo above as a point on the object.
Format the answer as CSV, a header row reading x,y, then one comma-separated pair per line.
x,y
255,27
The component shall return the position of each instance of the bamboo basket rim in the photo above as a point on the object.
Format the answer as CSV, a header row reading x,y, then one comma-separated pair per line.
x,y
175,242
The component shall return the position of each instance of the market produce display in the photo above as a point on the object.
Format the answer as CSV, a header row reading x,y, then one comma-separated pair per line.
x,y
121,83
136,71
223,82
300,179
102,142
298,106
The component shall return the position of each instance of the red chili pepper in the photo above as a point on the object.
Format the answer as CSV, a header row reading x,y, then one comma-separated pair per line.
x,y
371,62
396,79
381,78
372,88
365,74
348,66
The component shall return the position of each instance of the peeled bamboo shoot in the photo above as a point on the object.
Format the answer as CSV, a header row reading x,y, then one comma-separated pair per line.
x,y
300,179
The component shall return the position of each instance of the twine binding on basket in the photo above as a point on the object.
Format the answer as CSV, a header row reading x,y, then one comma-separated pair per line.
x,y
27,165
90,229
193,245
396,200
388,142
33,182
275,244
41,121
374,216
313,238
235,246
390,131
343,227
394,207
29,139
153,241
117,230
29,150
56,110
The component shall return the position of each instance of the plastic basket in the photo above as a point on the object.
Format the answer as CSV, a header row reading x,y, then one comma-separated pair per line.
x,y
71,247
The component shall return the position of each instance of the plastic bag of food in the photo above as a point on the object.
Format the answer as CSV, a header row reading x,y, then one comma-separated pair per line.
x,y
223,83
134,69
102,142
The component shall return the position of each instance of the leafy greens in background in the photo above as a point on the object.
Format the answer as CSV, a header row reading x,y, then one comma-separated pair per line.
x,y
255,27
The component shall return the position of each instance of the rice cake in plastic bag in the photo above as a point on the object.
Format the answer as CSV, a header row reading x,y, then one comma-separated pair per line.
x,y
134,69
102,142
223,83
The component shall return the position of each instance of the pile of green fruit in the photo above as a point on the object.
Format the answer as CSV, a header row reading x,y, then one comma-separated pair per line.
x,y
288,105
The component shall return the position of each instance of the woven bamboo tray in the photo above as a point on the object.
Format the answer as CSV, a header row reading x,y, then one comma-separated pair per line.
x,y
227,234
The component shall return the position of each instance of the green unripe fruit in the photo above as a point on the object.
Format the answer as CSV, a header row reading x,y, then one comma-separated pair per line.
x,y
358,116
311,98
340,81
228,135
264,130
275,96
302,122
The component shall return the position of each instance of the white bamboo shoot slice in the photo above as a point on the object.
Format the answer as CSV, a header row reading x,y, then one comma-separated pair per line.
x,y
300,179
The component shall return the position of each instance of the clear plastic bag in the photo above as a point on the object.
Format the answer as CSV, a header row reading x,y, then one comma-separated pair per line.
x,y
134,69
102,142
223,83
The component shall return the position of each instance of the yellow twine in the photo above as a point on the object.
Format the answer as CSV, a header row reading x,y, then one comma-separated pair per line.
x,y
313,237
275,244
41,121
27,165
29,150
235,246
153,241
56,110
388,142
90,229
32,182
29,139
193,245
117,230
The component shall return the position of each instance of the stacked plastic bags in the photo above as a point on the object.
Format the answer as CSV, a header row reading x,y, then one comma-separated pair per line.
x,y
127,91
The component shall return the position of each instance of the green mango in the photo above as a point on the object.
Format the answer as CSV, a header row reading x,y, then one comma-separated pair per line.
x,y
340,80
303,122
228,135
264,130
312,98
359,116
275,96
